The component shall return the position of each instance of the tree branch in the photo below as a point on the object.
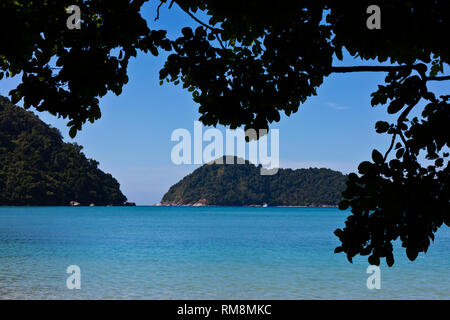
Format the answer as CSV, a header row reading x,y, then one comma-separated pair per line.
x,y
159,7
385,69
438,78
390,147
215,30
157,10
400,133
405,112
370,68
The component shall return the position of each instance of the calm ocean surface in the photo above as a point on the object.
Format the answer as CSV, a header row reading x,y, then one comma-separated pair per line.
x,y
200,253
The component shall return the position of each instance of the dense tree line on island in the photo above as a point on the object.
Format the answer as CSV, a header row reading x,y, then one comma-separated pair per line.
x,y
242,185
38,168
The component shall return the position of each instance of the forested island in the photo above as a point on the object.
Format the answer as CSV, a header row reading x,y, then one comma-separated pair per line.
x,y
243,185
38,168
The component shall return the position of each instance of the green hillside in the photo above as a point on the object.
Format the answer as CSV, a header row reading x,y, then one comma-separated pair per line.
x,y
242,184
38,168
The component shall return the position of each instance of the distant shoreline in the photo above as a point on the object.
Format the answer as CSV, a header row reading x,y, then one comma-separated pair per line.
x,y
130,204
165,205
245,206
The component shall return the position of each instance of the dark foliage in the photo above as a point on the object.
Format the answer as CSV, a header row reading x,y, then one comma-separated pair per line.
x,y
242,184
38,168
252,60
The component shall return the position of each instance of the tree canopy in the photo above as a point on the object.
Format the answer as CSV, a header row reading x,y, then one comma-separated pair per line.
x,y
243,185
252,60
38,168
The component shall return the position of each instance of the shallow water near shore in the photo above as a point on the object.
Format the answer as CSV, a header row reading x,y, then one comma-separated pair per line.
x,y
200,253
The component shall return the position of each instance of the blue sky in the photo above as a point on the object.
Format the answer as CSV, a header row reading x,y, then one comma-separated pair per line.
x,y
131,141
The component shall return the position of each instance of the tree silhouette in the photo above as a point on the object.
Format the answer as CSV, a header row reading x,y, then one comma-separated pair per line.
x,y
248,63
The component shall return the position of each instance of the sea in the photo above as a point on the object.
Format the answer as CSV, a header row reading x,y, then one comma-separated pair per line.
x,y
200,253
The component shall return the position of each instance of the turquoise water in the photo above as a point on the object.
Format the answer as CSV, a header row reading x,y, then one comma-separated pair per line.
x,y
199,253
